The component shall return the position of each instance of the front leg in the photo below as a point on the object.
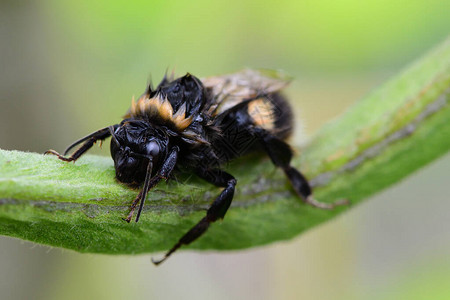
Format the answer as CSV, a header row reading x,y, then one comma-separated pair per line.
x,y
88,142
216,211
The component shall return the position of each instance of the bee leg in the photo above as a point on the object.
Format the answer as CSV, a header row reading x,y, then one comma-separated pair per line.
x,y
89,141
134,205
216,211
149,183
281,154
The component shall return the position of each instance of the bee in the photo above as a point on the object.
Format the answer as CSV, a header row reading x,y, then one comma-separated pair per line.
x,y
197,126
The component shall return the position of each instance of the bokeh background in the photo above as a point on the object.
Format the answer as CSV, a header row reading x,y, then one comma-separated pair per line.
x,y
70,67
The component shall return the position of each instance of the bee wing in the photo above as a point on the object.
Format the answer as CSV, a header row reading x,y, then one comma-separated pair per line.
x,y
232,89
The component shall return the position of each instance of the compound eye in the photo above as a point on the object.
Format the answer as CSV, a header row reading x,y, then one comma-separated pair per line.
x,y
153,149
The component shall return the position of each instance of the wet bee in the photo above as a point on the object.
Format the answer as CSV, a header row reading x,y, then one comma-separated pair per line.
x,y
198,125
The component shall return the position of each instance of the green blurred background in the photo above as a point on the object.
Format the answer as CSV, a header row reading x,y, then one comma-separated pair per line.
x,y
70,67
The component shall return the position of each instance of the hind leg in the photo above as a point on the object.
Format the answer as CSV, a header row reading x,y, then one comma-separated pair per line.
x,y
281,154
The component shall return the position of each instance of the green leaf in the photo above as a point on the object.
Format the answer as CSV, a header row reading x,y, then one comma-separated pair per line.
x,y
383,138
